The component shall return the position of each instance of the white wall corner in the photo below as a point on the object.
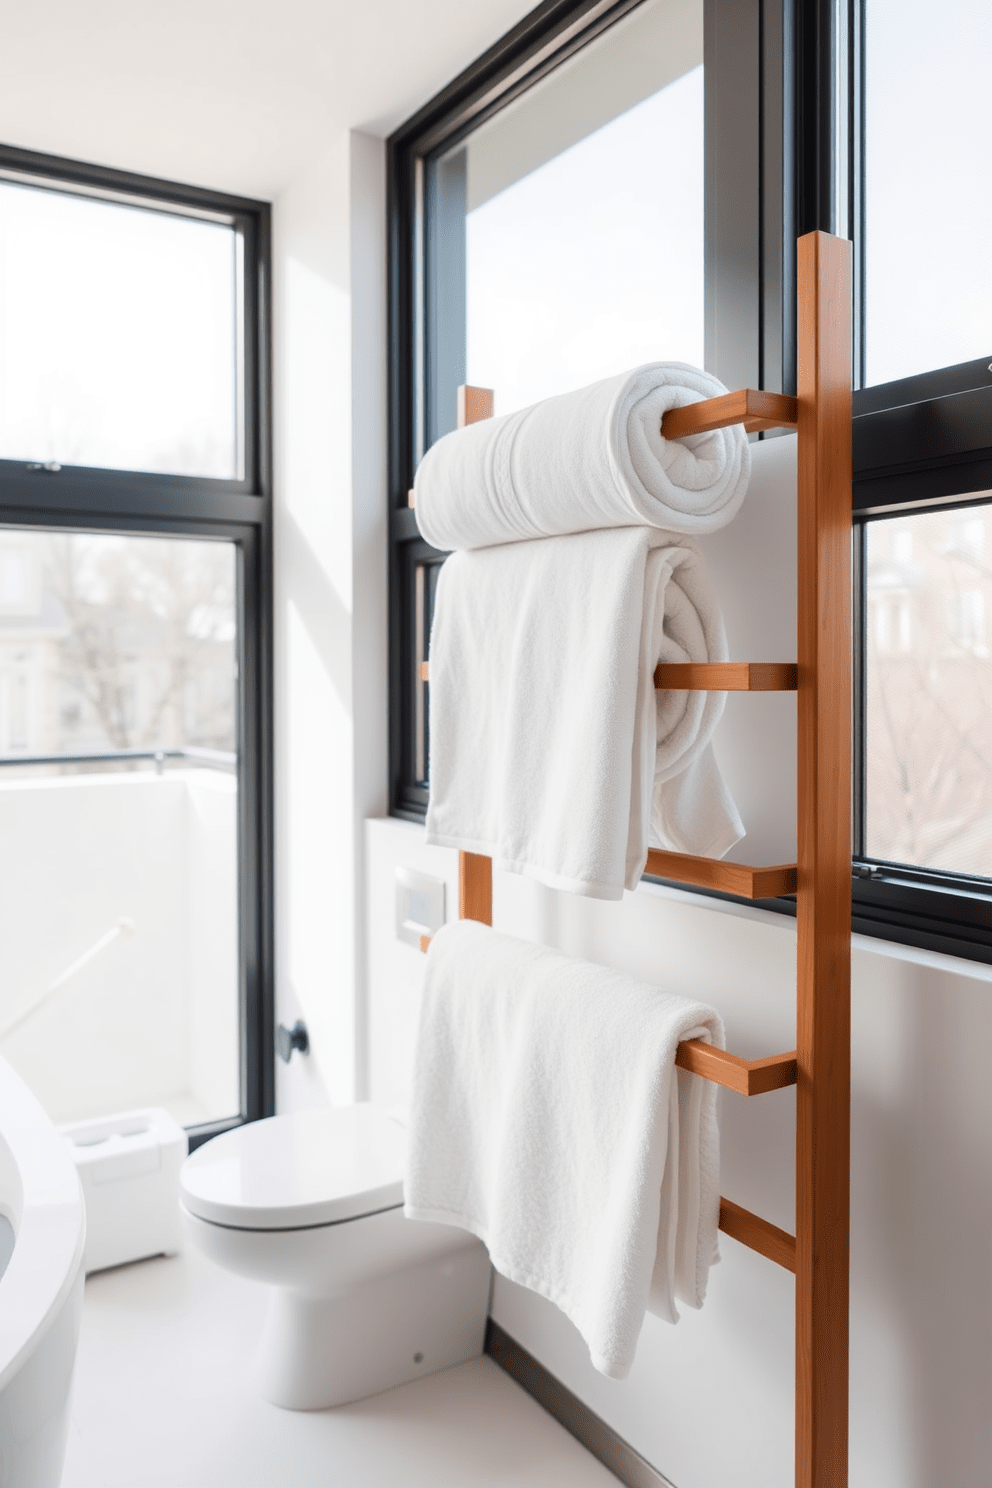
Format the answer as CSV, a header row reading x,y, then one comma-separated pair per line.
x,y
331,563
370,491
314,625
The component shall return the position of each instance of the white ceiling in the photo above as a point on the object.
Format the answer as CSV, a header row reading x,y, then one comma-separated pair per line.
x,y
233,94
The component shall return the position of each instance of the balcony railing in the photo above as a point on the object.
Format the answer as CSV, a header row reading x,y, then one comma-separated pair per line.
x,y
216,759
145,1012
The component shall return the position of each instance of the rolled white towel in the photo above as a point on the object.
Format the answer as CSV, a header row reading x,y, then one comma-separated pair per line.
x,y
586,459
550,749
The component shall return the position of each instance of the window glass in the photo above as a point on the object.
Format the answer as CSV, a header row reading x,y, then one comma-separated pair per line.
x,y
120,336
566,235
928,202
577,272
118,815
929,690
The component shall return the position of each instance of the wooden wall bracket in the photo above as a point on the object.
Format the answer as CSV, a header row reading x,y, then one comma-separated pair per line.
x,y
745,1076
712,676
727,878
758,1234
726,676
751,407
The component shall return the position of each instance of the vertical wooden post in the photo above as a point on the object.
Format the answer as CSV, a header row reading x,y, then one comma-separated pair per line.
x,y
824,861
475,887
475,872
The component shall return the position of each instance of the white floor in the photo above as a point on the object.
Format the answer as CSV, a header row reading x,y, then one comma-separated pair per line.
x,y
164,1399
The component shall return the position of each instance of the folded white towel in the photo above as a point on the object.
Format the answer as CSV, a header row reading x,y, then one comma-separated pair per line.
x,y
550,750
548,1118
587,459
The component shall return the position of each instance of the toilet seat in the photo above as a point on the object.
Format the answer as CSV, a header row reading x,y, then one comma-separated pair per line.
x,y
300,1170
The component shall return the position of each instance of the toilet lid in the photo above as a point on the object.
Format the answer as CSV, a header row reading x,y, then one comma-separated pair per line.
x,y
307,1168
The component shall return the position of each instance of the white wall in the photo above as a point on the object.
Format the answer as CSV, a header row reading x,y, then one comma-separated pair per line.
x,y
710,1402
330,598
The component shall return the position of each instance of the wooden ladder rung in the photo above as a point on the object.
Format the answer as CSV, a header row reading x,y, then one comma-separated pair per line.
x,y
712,676
749,406
728,878
758,1234
726,676
745,1076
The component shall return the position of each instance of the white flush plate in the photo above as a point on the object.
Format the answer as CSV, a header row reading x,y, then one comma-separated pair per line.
x,y
419,905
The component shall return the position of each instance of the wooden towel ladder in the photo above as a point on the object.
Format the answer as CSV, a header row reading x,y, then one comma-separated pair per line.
x,y
820,878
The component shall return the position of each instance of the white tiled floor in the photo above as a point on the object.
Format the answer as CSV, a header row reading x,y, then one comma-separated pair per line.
x,y
163,1399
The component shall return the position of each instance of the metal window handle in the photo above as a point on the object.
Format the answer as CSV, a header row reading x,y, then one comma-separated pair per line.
x,y
288,1039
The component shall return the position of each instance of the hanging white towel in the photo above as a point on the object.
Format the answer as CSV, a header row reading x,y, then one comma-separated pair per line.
x,y
549,1119
550,750
586,459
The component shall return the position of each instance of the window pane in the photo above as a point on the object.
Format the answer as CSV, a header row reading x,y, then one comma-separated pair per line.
x,y
929,748
582,219
929,206
120,332
118,878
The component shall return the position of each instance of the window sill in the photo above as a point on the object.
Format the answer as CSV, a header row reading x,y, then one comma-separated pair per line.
x,y
913,933
925,941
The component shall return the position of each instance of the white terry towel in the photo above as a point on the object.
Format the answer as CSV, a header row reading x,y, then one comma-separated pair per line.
x,y
550,750
586,459
548,1118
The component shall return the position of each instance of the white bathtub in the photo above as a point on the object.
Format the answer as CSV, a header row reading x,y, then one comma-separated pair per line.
x,y
41,1289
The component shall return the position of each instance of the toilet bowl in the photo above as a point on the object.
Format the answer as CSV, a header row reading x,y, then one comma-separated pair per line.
x,y
362,1298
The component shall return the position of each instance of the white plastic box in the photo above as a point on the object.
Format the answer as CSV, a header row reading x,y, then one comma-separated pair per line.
x,y
128,1166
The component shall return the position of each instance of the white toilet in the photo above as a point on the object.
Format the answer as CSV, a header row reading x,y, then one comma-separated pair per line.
x,y
363,1299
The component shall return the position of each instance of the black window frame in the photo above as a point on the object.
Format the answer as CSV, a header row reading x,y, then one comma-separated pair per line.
x,y
920,443
785,155
82,498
